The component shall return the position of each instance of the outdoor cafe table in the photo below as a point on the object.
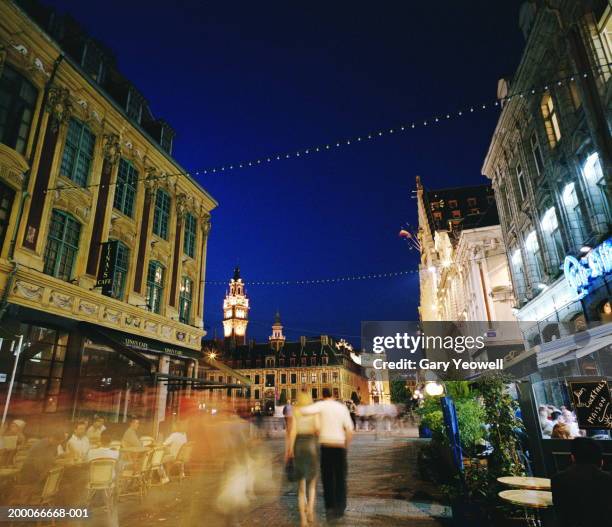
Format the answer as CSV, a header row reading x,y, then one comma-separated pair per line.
x,y
135,449
529,483
529,499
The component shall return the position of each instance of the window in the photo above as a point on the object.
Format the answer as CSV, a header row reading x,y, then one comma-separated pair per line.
x,y
324,377
533,247
293,378
303,361
537,154
574,212
551,121
121,270
437,216
155,286
256,394
281,362
185,298
256,379
313,378
78,152
516,262
520,178
270,380
283,378
472,202
269,362
550,226
6,204
336,393
292,361
452,203
304,378
334,376
315,394
293,394
62,245
598,188
17,102
474,211
313,361
456,213
161,216
189,240
125,189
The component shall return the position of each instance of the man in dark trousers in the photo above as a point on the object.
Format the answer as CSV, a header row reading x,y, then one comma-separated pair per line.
x,y
582,494
335,434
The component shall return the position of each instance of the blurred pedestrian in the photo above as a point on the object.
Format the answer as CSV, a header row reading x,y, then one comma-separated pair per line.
x,y
335,434
302,448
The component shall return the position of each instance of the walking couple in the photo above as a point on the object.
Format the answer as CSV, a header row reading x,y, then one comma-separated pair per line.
x,y
328,423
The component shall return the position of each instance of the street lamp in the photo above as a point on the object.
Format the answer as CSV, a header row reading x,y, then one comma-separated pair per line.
x,y
434,389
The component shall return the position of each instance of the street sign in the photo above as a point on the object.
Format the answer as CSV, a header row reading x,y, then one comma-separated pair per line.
x,y
2,377
106,271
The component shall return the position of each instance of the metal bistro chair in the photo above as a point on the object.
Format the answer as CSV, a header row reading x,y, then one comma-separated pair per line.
x,y
132,481
183,457
102,478
156,467
51,486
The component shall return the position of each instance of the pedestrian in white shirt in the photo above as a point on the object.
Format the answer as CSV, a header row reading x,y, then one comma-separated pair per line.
x,y
335,434
78,445
175,441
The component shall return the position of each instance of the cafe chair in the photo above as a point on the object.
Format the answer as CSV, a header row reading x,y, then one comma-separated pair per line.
x,y
156,467
147,441
51,486
183,457
102,479
133,481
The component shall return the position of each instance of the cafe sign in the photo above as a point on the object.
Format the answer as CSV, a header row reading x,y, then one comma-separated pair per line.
x,y
592,402
580,273
106,271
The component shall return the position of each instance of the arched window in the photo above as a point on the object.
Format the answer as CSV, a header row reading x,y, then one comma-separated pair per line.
x,y
125,189
550,226
185,300
155,286
574,212
62,245
161,215
78,152
17,103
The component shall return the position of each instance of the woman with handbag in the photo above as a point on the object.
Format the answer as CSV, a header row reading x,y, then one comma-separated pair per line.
x,y
302,457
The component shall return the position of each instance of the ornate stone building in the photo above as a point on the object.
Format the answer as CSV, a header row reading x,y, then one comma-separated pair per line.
x,y
102,234
549,162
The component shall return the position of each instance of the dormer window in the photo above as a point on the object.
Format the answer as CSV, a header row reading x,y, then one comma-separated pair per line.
x,y
133,105
92,62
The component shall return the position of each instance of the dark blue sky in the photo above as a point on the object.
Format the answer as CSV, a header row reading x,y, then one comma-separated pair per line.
x,y
239,80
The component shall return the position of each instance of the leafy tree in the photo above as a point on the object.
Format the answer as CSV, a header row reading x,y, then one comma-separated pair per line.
x,y
399,393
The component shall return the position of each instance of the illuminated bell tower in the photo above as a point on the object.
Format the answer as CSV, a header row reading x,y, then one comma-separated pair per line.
x,y
277,339
235,311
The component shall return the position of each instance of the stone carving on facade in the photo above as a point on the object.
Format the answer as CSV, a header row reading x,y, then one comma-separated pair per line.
x,y
40,67
76,201
151,327
59,106
111,148
14,178
111,316
181,204
87,308
132,321
180,336
27,290
62,301
166,331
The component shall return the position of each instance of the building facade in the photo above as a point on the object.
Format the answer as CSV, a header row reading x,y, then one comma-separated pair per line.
x,y
102,234
549,163
275,371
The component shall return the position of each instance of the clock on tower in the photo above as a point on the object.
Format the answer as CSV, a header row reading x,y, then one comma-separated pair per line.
x,y
235,311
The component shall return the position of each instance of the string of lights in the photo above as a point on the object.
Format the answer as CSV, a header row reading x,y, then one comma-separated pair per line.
x,y
362,138
339,279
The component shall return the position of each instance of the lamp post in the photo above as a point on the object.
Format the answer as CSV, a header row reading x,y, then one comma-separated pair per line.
x,y
17,352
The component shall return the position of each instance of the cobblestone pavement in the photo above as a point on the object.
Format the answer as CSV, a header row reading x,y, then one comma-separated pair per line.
x,y
384,489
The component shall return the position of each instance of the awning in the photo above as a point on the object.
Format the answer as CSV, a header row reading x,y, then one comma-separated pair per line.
x,y
195,382
93,331
575,346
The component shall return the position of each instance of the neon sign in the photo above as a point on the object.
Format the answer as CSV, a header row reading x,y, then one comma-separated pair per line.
x,y
579,273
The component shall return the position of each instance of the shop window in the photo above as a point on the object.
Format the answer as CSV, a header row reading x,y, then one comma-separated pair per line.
x,y
185,300
7,195
78,153
122,262
189,240
17,103
161,215
551,121
537,154
62,245
155,286
125,189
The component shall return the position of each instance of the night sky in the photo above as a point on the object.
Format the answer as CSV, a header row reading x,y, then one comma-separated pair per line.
x,y
241,80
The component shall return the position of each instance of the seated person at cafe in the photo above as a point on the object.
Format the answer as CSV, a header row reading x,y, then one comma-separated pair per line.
x,y
14,433
561,431
582,494
103,451
78,444
96,429
130,437
545,422
174,442
41,458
